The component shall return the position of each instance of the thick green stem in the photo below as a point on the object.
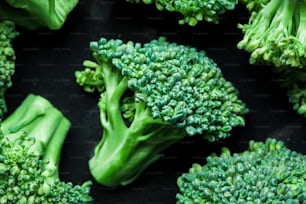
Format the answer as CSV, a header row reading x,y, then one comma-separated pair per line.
x,y
53,150
124,155
301,27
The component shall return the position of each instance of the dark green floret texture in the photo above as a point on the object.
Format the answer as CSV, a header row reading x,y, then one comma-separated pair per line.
x,y
193,11
153,95
31,140
33,14
7,60
268,172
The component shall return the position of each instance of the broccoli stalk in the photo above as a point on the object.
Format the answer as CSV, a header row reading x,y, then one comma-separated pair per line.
x,y
35,13
151,96
275,34
31,141
267,172
7,61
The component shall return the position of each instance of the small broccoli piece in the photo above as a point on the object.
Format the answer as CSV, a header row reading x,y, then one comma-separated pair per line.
x,y
265,173
7,61
30,147
193,11
294,81
254,5
275,34
153,95
33,14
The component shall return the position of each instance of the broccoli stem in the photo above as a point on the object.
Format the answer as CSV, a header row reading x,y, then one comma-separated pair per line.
x,y
53,150
301,29
127,150
40,121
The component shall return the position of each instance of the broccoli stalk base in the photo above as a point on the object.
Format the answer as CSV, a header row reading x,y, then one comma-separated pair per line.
x,y
125,151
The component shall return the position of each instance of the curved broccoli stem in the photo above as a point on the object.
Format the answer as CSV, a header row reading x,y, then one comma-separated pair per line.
x,y
31,141
151,96
35,13
265,173
7,60
193,11
275,34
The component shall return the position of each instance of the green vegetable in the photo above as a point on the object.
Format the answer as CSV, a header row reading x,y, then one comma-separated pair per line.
x,y
7,61
153,95
33,14
30,147
294,81
275,34
193,11
265,173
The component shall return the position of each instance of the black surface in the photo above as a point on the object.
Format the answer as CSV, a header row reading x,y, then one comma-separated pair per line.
x,y
47,60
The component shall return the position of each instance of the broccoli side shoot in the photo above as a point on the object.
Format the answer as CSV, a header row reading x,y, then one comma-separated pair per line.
x,y
193,11
33,14
7,60
265,173
294,82
31,140
153,95
275,34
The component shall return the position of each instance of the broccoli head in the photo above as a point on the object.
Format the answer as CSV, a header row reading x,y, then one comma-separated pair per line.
x,y
31,140
275,33
193,11
153,95
267,172
7,60
33,14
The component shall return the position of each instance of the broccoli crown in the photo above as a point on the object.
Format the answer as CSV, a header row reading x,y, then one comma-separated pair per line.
x,y
30,146
275,34
33,14
193,11
265,173
179,84
7,60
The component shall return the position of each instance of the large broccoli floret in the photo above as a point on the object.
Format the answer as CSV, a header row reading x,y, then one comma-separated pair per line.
x,y
276,33
30,147
33,14
152,95
265,173
7,60
193,10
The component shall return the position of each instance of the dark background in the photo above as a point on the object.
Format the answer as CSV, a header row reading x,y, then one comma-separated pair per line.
x,y
47,60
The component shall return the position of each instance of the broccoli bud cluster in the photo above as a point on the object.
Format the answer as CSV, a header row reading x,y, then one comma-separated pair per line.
x,y
179,84
193,11
265,173
7,60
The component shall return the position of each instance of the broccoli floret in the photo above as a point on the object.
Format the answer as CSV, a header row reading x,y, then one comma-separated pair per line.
x,y
265,173
33,14
30,147
7,60
153,95
294,81
193,11
254,5
276,33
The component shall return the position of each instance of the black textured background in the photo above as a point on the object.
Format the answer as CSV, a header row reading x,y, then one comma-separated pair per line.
x,y
47,60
